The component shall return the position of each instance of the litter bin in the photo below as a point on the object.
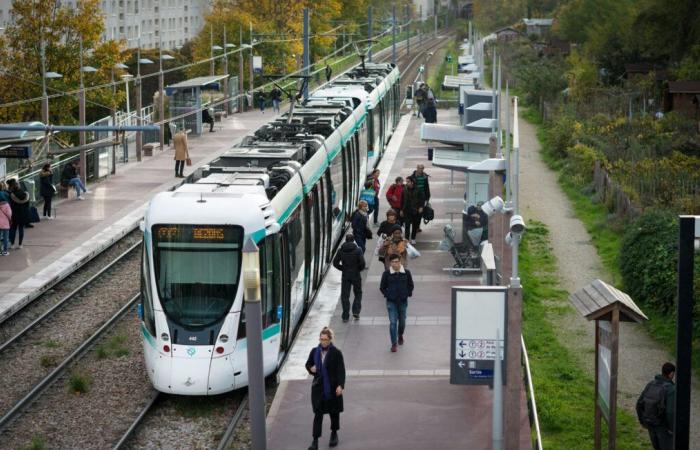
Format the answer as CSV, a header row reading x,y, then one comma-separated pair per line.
x,y
430,153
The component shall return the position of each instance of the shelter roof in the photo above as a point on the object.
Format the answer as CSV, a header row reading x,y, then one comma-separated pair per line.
x,y
596,301
197,82
684,87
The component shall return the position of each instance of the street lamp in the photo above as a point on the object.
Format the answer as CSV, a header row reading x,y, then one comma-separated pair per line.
x,y
139,100
253,314
126,77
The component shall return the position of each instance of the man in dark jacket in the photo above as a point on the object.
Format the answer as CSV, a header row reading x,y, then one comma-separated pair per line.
x,y
396,286
422,182
412,209
358,222
351,262
656,408
19,203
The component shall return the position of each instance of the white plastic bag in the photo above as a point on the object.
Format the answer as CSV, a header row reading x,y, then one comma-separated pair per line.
x,y
412,251
380,244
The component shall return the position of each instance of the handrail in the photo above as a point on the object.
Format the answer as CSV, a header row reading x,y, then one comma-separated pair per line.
x,y
532,404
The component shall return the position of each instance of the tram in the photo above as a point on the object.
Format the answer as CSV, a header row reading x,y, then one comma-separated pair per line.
x,y
291,187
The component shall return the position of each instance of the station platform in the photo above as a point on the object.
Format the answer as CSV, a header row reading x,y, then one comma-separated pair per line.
x,y
53,249
401,400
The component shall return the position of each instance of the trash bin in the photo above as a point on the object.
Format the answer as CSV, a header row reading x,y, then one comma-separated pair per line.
x,y
430,153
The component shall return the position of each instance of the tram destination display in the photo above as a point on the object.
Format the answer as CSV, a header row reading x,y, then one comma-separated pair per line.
x,y
478,331
196,233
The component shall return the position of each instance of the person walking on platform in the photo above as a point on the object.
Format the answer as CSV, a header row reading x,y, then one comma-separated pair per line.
x,y
430,109
387,227
394,194
326,365
374,178
351,262
395,244
412,208
358,222
420,99
5,223
47,189
208,118
369,195
19,203
656,408
182,153
70,177
396,286
276,97
422,184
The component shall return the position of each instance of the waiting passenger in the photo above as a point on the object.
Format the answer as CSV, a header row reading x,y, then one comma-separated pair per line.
x,y
394,194
19,203
47,189
182,153
70,177
395,244
412,209
358,222
5,223
326,364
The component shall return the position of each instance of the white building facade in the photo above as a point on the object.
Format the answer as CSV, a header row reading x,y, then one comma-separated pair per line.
x,y
172,21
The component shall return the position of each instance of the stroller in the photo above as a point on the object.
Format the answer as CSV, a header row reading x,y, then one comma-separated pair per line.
x,y
466,254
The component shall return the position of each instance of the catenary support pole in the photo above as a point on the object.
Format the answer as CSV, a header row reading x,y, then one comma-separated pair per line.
x,y
435,17
227,94
251,85
684,327
420,28
139,101
81,115
408,31
393,34
307,59
509,170
211,51
369,33
240,69
498,108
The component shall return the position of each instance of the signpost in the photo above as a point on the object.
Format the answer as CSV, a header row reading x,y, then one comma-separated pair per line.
x,y
257,64
478,312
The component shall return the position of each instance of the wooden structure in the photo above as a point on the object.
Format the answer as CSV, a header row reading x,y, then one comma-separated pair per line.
x,y
607,306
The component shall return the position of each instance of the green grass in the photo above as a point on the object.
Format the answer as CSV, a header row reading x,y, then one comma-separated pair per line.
x,y
36,444
115,347
192,407
47,361
79,383
50,344
564,392
435,80
606,235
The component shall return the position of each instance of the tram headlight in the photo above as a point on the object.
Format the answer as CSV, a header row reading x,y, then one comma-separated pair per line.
x,y
165,337
223,338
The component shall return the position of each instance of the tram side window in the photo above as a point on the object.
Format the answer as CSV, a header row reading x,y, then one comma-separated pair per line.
x,y
271,278
149,319
297,247
338,176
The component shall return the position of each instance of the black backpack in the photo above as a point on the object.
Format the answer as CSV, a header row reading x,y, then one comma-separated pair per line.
x,y
651,405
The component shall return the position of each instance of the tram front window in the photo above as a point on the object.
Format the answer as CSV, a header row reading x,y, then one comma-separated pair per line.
x,y
197,268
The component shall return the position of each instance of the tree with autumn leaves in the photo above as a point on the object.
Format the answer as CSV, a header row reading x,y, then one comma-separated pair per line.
x,y
60,29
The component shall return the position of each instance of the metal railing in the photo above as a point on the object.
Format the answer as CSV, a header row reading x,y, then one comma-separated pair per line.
x,y
531,402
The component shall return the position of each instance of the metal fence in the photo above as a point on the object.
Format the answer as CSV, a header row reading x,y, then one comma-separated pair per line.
x,y
531,402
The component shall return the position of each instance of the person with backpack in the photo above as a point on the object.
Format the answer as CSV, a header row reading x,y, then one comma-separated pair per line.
x,y
369,195
412,208
656,408
358,223
351,262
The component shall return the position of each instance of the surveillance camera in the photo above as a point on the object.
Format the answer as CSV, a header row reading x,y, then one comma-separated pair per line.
x,y
509,239
492,206
517,224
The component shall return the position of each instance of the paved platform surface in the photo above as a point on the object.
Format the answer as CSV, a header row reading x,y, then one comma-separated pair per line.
x,y
397,400
113,208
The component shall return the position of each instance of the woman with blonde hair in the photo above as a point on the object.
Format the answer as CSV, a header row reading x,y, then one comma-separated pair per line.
x,y
326,365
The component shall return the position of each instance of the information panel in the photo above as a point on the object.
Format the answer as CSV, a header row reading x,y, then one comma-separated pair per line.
x,y
477,312
604,361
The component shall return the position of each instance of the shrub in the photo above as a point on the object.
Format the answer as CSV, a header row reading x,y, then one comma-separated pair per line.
x,y
581,161
648,259
79,383
561,135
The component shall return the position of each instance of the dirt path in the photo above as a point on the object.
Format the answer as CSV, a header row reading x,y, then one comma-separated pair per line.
x,y
641,357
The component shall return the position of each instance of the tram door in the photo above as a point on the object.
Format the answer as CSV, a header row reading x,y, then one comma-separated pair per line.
x,y
316,235
285,294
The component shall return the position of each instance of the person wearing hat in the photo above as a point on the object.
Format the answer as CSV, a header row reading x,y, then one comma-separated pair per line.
x,y
395,244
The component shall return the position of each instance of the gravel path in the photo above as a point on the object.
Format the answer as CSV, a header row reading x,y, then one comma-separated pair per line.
x,y
542,199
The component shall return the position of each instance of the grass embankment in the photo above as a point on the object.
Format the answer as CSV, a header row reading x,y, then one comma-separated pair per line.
x,y
605,231
563,390
436,77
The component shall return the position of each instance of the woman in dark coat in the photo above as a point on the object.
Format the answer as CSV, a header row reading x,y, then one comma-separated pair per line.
x,y
47,190
19,202
326,365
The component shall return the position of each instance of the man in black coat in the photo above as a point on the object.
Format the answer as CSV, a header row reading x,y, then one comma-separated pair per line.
x,y
396,286
351,262
412,208
326,364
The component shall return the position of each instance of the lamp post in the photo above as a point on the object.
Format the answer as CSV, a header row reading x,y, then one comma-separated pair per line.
x,y
227,46
161,87
139,98
81,112
253,315
250,82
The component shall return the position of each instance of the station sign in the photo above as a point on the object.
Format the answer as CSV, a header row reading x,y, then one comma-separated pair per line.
x,y
16,151
257,64
478,332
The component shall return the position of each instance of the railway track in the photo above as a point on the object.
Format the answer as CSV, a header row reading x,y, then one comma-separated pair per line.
x,y
43,345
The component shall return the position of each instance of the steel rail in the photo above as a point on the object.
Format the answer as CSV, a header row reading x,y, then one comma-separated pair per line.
x,y
64,300
38,389
233,424
135,424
